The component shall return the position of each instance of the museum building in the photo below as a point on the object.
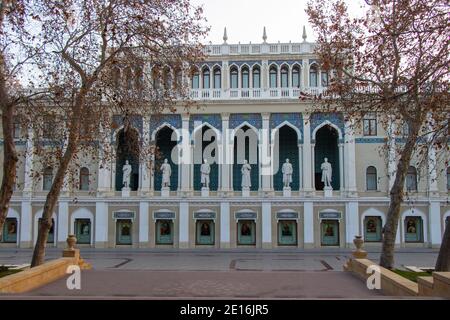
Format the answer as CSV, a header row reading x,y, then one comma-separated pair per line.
x,y
249,118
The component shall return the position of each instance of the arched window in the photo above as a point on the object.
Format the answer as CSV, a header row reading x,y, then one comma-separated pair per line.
x,y
233,78
156,78
206,78
313,76
324,79
448,178
167,79
139,77
371,178
284,77
256,77
296,77
245,78
84,179
195,79
411,179
217,78
48,178
273,77
128,78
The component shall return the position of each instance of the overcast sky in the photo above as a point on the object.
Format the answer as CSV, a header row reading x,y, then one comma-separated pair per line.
x,y
245,19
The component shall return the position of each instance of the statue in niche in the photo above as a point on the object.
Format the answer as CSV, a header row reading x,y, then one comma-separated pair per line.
x,y
245,170
166,173
287,171
326,173
205,170
126,178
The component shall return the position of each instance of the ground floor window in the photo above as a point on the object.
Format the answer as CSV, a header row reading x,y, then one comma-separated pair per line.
x,y
124,231
164,232
413,229
372,229
51,233
83,231
10,231
246,232
205,232
330,232
287,232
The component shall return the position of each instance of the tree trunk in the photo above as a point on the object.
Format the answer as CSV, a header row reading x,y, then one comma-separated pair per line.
x,y
10,158
443,260
53,194
396,195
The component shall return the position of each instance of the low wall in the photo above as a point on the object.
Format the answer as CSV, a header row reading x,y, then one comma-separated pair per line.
x,y
38,276
392,284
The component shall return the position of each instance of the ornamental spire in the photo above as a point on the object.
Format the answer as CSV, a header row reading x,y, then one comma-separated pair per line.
x,y
225,36
304,36
264,35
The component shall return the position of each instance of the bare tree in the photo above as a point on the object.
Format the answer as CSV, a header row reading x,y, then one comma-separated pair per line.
x,y
17,50
394,62
96,65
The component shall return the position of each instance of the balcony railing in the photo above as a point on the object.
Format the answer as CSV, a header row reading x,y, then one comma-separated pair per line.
x,y
262,48
254,93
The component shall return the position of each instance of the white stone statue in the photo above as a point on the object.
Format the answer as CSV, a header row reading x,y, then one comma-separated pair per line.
x,y
166,172
287,171
245,170
205,170
326,173
126,178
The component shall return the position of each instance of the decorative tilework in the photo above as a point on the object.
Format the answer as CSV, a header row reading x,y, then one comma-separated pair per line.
x,y
236,119
289,62
250,63
213,119
210,64
334,118
370,140
136,122
157,120
296,119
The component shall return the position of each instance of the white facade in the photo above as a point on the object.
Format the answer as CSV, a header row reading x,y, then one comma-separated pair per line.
x,y
255,87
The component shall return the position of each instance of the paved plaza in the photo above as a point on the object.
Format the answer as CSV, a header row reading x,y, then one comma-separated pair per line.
x,y
216,274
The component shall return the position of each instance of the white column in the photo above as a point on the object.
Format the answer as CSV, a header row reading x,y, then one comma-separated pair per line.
x,y
391,153
26,225
351,223
184,225
432,165
224,224
266,225
63,222
104,165
185,162
308,166
313,167
349,158
226,160
101,224
29,155
265,158
341,166
144,168
300,167
308,225
435,237
143,224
